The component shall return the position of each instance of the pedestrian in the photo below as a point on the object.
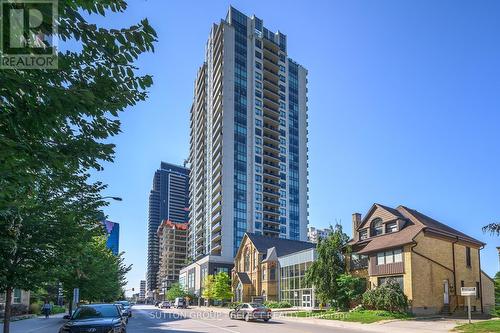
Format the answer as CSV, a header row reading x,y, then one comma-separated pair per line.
x,y
46,309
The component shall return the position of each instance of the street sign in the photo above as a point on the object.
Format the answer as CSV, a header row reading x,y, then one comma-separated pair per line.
x,y
76,295
468,291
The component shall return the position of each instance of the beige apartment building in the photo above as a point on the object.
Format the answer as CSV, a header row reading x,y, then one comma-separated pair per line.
x,y
172,240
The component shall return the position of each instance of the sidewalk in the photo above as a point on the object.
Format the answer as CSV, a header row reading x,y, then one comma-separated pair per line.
x,y
38,324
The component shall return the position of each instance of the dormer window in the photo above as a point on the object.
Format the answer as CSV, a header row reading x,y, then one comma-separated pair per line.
x,y
377,227
391,227
363,234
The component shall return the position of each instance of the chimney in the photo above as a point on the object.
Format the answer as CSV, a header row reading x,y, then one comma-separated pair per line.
x,y
356,221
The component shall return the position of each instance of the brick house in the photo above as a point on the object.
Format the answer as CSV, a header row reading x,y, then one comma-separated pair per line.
x,y
429,259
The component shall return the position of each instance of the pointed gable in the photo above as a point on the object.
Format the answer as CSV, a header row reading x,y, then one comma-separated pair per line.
x,y
379,211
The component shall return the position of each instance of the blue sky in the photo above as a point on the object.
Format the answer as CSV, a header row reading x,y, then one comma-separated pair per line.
x,y
404,108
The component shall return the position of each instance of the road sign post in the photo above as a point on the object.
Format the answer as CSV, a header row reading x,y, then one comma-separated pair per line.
x,y
76,297
468,292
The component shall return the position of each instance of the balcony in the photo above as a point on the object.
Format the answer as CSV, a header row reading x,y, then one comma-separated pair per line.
x,y
274,157
271,211
270,229
271,192
272,165
216,226
270,200
386,269
361,263
216,236
271,219
217,217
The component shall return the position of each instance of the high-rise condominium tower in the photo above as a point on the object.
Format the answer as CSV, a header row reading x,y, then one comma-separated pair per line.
x,y
168,200
248,151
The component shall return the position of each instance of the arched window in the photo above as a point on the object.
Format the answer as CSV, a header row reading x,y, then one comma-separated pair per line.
x,y
377,227
247,261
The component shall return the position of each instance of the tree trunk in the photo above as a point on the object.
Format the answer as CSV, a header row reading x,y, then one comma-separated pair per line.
x,y
70,307
8,303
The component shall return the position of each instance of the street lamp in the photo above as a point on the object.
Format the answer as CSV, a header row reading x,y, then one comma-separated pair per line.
x,y
113,198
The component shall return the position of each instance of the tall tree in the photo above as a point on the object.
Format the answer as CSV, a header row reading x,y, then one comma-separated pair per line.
x,y
54,126
97,272
324,273
222,287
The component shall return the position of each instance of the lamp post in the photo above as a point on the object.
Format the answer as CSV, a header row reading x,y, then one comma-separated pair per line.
x,y
113,198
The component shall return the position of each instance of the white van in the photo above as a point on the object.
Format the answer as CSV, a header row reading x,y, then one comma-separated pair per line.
x,y
180,302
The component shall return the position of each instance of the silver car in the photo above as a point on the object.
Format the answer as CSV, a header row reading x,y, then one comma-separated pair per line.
x,y
251,311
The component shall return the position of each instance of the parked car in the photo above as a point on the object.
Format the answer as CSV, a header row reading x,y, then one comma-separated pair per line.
x,y
164,305
180,302
127,306
123,311
95,318
157,304
251,311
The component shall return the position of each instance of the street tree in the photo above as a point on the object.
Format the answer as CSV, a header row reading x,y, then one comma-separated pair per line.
x,y
175,291
222,287
324,273
208,288
96,271
55,127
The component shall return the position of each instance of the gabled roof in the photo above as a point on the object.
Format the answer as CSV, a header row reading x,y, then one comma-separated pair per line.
x,y
390,210
283,246
243,277
415,223
432,224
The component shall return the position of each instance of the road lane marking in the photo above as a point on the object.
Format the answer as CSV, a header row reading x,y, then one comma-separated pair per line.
x,y
219,327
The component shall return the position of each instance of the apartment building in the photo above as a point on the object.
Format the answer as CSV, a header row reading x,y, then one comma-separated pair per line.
x,y
248,148
168,200
315,234
172,238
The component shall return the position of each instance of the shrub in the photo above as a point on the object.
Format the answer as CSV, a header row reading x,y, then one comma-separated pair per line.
x,y
58,309
232,305
388,296
277,305
36,308
350,291
18,309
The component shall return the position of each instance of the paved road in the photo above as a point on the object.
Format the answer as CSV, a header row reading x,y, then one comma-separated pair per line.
x,y
151,320
148,319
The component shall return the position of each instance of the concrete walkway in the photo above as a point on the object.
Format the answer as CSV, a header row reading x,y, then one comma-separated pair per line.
x,y
37,324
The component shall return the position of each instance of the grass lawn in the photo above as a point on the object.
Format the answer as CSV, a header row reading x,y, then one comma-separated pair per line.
x,y
489,326
363,316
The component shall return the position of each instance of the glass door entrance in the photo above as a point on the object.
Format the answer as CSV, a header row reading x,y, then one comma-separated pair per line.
x,y
306,301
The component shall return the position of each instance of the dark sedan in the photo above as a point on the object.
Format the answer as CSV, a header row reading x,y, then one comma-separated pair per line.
x,y
95,318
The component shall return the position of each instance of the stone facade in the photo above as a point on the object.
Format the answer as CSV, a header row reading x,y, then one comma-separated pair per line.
x,y
430,260
254,264
273,270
